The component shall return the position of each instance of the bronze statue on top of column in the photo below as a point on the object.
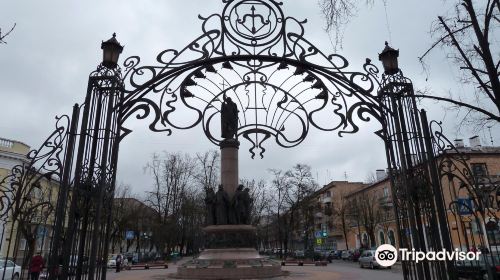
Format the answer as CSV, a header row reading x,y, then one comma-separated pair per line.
x,y
229,118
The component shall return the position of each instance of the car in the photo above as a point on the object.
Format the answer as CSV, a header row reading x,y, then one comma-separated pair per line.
x,y
336,255
11,270
346,255
112,261
478,269
299,253
367,259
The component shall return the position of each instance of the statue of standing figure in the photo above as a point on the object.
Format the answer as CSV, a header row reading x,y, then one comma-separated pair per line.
x,y
242,205
239,205
248,201
210,206
229,118
221,206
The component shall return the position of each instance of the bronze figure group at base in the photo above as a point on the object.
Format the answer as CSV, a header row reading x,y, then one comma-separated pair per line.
x,y
224,211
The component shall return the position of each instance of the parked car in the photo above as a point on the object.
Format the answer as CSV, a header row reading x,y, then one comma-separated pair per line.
x,y
336,255
12,271
478,269
346,255
112,261
367,259
299,253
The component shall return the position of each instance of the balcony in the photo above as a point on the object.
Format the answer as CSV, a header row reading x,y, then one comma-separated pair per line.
x,y
5,143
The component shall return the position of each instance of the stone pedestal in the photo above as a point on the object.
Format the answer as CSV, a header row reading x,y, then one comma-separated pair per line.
x,y
229,165
230,254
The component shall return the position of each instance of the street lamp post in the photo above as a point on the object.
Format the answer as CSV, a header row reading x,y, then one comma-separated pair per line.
x,y
389,58
111,50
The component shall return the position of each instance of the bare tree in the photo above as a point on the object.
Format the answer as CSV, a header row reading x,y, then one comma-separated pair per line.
x,y
337,14
366,207
173,174
208,164
128,214
371,178
300,184
467,38
32,206
261,199
341,207
190,221
279,184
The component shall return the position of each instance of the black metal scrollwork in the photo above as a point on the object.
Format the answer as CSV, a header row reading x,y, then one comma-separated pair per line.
x,y
472,199
43,163
253,53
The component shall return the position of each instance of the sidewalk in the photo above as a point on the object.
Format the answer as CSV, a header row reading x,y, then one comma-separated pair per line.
x,y
154,273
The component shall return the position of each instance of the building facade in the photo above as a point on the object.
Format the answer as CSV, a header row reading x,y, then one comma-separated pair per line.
x,y
471,179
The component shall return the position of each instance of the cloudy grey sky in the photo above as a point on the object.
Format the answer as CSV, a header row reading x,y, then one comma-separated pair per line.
x,y
45,65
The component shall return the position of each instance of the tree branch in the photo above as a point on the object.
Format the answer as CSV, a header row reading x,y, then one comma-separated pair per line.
x,y
490,115
466,59
441,40
2,37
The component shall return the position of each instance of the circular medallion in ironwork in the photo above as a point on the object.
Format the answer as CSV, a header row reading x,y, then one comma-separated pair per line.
x,y
253,22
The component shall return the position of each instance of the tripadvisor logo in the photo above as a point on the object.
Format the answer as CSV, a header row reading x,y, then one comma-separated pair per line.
x,y
386,255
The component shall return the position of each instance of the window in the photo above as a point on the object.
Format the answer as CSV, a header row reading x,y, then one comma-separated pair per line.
x,y
392,240
479,169
364,240
381,238
386,192
328,194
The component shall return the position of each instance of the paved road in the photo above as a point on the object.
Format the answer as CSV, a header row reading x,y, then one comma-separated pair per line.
x,y
338,270
343,271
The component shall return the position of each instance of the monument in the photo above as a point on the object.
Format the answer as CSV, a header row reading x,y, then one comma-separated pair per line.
x,y
229,238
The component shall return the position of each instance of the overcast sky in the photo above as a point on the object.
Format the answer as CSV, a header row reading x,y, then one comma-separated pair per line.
x,y
56,44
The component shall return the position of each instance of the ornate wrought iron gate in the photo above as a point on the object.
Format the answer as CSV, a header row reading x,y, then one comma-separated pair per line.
x,y
283,86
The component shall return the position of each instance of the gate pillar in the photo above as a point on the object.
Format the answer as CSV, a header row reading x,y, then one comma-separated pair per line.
x,y
414,180
85,245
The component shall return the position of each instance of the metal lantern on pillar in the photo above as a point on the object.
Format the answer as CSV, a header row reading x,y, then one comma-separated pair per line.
x,y
389,58
111,50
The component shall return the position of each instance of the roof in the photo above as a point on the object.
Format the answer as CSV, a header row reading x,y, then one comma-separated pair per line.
x,y
481,150
477,150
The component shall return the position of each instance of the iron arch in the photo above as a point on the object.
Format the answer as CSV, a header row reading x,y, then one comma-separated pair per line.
x,y
259,55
